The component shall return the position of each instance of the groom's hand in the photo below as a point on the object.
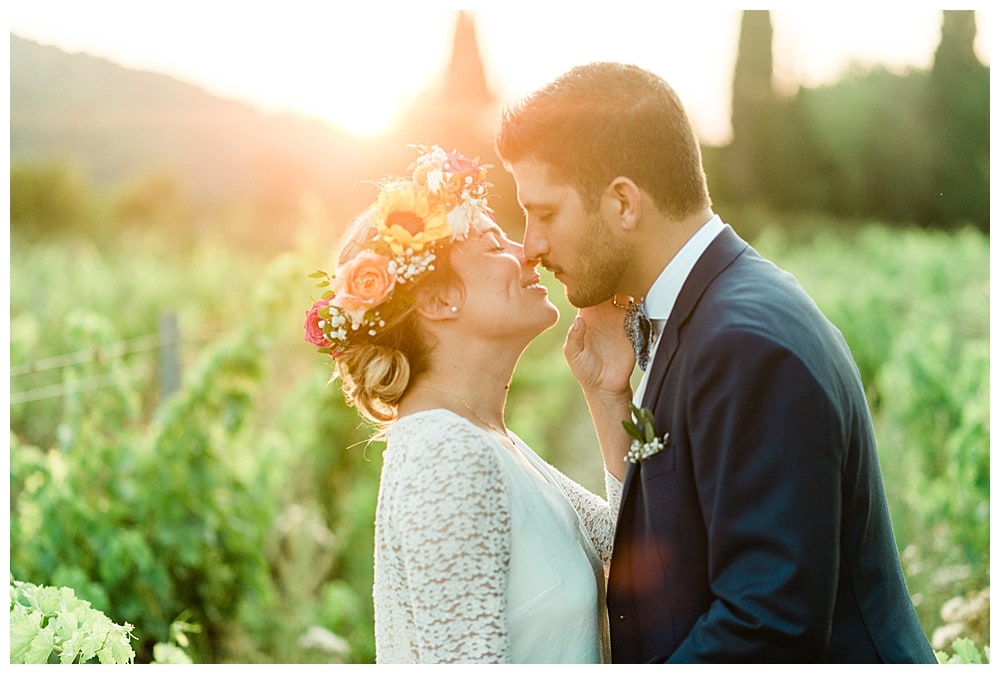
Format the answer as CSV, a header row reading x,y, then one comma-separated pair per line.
x,y
598,351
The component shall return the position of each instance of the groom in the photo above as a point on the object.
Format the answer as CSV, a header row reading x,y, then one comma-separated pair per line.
x,y
761,531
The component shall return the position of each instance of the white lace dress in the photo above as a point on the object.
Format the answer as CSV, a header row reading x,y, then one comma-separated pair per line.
x,y
478,559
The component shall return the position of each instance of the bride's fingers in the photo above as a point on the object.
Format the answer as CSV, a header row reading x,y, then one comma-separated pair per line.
x,y
606,318
575,338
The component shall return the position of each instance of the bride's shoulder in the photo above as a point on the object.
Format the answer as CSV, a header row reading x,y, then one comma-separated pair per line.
x,y
434,434
429,421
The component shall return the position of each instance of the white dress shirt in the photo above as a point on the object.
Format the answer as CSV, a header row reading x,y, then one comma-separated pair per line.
x,y
662,296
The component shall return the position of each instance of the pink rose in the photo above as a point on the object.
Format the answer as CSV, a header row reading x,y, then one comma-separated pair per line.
x,y
314,333
362,283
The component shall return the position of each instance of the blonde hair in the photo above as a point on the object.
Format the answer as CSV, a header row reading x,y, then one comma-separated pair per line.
x,y
377,372
374,379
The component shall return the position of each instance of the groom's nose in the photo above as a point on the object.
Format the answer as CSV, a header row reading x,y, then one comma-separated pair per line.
x,y
528,263
535,245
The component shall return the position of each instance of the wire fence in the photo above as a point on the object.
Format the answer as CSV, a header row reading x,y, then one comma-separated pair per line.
x,y
166,342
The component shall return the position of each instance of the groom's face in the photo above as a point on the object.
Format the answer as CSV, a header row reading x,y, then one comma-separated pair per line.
x,y
575,243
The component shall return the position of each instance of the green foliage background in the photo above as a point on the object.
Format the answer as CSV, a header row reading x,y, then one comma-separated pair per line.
x,y
245,500
238,509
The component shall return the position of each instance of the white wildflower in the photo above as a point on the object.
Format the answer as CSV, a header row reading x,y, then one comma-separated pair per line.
x,y
435,179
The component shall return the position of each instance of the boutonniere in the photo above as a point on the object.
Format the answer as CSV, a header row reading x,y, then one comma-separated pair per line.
x,y
644,440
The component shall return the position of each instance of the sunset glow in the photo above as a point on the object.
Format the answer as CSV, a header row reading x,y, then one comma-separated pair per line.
x,y
354,67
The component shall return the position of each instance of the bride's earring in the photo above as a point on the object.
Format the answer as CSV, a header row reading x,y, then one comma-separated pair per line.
x,y
454,309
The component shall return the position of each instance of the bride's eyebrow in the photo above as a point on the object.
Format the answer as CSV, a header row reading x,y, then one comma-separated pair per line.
x,y
494,230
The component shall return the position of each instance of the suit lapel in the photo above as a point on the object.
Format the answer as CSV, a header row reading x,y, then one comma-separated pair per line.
x,y
726,247
720,254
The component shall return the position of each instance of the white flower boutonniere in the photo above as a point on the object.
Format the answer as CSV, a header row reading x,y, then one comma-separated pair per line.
x,y
644,440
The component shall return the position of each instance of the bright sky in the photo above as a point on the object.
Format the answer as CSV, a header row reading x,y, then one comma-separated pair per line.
x,y
353,65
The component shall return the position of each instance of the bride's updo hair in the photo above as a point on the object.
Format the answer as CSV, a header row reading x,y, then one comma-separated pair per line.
x,y
378,371
393,255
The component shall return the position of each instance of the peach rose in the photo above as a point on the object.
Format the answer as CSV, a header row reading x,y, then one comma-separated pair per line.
x,y
314,333
362,283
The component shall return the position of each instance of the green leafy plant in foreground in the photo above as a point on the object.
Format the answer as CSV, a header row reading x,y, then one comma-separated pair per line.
x,y
52,624
964,652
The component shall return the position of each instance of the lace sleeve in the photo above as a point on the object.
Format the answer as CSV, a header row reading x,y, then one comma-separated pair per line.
x,y
449,511
598,516
614,488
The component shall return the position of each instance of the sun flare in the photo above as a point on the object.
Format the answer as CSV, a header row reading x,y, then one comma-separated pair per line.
x,y
365,111
364,77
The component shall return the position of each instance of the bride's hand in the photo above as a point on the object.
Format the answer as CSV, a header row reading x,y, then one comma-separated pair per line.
x,y
599,353
602,360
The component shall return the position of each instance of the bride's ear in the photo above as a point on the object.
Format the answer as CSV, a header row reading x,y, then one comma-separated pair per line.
x,y
439,304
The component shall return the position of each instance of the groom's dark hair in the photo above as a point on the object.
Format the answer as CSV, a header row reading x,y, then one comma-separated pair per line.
x,y
604,120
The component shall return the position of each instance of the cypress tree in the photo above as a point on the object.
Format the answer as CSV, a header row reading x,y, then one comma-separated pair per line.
x,y
958,112
752,106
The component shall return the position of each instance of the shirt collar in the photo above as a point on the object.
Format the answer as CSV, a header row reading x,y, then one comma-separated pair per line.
x,y
662,296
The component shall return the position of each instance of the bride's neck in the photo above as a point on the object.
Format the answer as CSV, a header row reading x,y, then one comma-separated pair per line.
x,y
464,373
462,390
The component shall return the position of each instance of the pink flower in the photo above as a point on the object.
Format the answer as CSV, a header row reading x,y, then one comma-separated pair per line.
x,y
362,283
457,163
314,333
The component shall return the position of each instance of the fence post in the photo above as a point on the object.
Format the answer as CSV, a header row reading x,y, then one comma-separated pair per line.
x,y
170,355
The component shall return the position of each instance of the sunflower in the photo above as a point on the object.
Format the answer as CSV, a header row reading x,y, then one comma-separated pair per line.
x,y
407,220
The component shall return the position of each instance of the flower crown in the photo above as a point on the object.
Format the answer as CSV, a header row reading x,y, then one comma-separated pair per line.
x,y
410,222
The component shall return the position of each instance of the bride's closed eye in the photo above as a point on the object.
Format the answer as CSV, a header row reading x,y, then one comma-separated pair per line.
x,y
495,243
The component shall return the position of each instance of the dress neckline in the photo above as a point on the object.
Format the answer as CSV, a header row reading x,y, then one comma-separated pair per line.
x,y
534,465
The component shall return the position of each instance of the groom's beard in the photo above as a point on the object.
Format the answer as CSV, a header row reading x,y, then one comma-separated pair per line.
x,y
602,261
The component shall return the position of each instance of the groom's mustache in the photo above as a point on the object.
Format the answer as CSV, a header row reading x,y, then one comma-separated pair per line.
x,y
544,262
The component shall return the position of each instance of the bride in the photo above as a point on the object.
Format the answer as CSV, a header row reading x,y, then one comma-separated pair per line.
x,y
483,551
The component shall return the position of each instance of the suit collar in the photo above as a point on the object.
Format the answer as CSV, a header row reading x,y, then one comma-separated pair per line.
x,y
662,295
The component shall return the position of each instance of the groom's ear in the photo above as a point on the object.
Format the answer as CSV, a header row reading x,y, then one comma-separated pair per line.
x,y
626,198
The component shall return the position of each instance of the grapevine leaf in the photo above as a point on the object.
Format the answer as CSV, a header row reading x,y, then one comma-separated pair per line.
x,y
23,628
967,651
169,654
120,650
40,647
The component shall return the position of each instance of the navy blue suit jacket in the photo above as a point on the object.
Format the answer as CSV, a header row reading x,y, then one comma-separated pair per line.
x,y
761,533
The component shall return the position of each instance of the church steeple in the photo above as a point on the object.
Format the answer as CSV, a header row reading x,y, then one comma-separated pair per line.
x,y
458,109
465,78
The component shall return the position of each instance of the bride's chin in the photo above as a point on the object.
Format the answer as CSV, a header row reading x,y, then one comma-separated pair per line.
x,y
553,318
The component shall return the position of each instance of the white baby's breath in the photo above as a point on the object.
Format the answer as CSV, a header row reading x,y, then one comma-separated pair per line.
x,y
645,442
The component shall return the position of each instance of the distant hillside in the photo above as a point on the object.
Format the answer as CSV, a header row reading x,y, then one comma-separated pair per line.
x,y
117,124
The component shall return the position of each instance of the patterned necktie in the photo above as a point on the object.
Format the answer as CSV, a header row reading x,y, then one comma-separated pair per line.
x,y
640,332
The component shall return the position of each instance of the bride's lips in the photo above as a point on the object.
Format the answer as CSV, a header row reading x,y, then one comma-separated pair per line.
x,y
533,283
